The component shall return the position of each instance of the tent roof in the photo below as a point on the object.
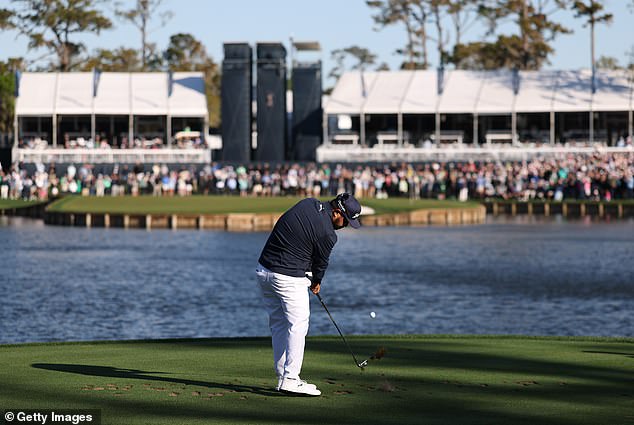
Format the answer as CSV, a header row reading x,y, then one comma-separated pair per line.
x,y
188,95
113,94
149,93
348,96
496,93
74,93
37,94
421,96
389,88
614,91
461,91
117,93
573,92
536,91
481,92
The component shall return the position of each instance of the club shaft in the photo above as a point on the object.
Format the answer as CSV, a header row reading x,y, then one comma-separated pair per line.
x,y
338,330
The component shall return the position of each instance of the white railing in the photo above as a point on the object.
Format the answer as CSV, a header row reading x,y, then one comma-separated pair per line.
x,y
330,153
112,156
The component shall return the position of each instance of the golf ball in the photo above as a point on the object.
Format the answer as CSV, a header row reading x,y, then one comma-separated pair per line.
x,y
372,314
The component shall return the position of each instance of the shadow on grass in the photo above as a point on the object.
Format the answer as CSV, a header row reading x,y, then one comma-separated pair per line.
x,y
461,355
373,408
421,390
470,354
126,411
115,372
630,355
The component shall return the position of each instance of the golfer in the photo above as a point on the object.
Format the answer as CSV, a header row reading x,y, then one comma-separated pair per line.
x,y
300,242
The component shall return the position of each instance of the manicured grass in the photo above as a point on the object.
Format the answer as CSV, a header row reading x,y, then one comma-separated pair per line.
x,y
222,205
171,205
421,380
16,203
396,205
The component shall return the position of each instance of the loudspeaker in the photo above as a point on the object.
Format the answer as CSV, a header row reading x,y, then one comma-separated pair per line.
x,y
5,159
236,102
239,51
271,102
307,112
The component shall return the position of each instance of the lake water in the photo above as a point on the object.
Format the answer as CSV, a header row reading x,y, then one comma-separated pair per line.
x,y
535,276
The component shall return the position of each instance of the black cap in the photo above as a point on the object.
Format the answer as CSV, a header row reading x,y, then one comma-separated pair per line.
x,y
350,207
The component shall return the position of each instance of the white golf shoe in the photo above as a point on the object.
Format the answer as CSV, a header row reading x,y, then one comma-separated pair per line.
x,y
298,387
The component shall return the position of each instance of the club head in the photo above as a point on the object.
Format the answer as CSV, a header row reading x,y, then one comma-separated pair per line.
x,y
363,364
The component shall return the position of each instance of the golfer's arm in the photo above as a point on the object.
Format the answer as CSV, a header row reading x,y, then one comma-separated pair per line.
x,y
321,254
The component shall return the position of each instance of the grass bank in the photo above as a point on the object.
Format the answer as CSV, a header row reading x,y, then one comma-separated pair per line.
x,y
422,379
196,205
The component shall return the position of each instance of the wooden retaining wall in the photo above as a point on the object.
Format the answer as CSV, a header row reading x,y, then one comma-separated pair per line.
x,y
33,211
429,217
247,222
612,209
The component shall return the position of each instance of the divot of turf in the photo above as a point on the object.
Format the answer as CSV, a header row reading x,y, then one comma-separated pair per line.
x,y
387,387
215,395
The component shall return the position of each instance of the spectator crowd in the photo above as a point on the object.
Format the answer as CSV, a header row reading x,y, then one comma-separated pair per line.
x,y
193,142
593,177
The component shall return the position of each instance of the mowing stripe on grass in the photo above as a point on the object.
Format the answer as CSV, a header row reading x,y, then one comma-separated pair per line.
x,y
422,379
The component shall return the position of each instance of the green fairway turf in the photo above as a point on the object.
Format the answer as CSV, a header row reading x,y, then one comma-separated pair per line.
x,y
223,205
421,380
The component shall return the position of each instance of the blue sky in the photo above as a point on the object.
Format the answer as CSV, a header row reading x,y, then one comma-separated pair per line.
x,y
334,23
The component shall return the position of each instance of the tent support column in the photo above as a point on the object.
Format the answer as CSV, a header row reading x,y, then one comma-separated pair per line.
x,y
514,127
168,128
476,139
205,131
54,130
630,123
437,129
93,128
112,136
16,131
130,130
324,128
362,125
54,136
552,127
399,123
591,127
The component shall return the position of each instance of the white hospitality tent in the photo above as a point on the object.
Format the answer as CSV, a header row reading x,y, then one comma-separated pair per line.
x,y
482,105
111,96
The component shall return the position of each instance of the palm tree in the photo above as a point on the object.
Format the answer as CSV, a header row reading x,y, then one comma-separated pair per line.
x,y
591,9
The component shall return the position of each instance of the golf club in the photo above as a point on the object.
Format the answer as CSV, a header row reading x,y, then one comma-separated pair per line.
x,y
361,364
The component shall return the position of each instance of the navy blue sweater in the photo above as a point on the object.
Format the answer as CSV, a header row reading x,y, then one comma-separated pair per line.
x,y
301,240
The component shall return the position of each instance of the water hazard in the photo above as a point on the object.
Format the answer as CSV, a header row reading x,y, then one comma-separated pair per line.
x,y
533,276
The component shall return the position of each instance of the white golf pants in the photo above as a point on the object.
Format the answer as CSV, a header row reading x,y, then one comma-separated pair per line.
x,y
286,301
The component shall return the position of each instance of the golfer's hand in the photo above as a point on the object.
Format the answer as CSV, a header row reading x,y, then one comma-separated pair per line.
x,y
315,287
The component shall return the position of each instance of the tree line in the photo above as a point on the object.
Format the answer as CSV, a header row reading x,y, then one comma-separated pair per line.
x,y
519,35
